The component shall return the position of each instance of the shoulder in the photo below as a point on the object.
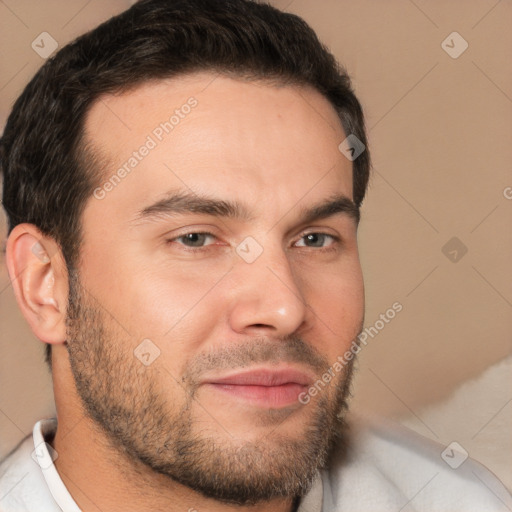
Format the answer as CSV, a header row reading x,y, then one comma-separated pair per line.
x,y
22,484
386,466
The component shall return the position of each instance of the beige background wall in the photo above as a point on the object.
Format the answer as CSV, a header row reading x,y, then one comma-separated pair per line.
x,y
440,133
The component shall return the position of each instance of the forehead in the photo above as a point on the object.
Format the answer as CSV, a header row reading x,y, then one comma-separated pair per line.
x,y
208,133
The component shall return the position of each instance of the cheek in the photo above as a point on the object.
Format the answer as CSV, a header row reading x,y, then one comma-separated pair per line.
x,y
174,307
337,299
342,302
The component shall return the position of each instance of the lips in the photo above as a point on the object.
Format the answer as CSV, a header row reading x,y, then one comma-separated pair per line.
x,y
265,387
264,377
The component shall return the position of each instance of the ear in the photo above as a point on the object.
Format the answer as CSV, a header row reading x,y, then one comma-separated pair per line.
x,y
38,274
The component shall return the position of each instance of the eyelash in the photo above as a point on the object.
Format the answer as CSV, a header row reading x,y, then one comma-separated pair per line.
x,y
331,247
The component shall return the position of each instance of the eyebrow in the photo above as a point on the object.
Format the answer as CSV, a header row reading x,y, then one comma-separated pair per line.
x,y
183,202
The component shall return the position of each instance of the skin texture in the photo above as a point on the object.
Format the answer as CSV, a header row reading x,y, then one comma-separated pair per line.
x,y
154,437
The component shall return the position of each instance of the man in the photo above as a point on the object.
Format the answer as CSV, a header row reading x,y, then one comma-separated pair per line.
x,y
158,171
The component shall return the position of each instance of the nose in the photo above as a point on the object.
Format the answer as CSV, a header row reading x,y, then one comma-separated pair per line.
x,y
267,299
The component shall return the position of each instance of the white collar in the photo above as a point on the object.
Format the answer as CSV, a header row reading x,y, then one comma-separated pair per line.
x,y
43,453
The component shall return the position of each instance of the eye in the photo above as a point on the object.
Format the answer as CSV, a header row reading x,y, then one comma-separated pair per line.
x,y
318,239
192,239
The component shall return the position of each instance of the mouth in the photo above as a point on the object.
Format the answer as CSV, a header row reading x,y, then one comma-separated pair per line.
x,y
265,387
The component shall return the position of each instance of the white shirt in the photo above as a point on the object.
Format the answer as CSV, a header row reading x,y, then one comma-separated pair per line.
x,y
389,468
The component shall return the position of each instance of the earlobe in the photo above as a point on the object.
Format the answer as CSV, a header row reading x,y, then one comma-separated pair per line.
x,y
39,279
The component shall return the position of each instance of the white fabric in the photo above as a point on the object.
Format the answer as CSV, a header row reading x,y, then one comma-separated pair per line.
x,y
29,481
388,468
391,468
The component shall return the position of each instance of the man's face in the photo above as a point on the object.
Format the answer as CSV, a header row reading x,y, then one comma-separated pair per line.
x,y
236,323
